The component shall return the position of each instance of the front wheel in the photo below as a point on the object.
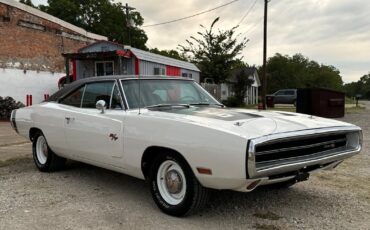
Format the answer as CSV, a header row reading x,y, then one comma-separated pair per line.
x,y
45,159
174,187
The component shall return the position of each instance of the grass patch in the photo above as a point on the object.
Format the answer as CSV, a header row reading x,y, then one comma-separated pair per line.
x,y
267,216
358,109
13,161
349,100
16,143
283,108
250,107
266,227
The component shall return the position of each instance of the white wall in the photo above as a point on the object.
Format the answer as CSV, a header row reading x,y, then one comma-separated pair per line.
x,y
17,84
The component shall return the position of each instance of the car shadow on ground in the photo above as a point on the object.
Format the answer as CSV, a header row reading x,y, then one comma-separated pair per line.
x,y
265,203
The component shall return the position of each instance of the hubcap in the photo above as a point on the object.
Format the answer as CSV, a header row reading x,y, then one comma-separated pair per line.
x,y
41,150
171,182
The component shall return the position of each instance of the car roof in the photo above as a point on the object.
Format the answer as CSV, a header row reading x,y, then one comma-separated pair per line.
x,y
286,89
76,84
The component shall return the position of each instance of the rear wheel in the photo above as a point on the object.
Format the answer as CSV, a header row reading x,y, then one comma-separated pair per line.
x,y
174,187
45,159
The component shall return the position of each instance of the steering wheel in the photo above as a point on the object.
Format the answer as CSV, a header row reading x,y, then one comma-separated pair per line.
x,y
187,97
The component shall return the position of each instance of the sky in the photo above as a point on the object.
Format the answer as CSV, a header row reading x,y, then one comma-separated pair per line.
x,y
331,32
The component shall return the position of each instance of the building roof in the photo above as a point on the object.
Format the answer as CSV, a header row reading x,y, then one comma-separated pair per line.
x,y
145,55
156,58
48,17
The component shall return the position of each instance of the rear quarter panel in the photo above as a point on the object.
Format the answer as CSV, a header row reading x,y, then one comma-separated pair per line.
x,y
49,118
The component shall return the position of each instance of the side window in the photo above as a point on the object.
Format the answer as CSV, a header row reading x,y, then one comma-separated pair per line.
x,y
279,93
289,92
74,99
95,92
115,102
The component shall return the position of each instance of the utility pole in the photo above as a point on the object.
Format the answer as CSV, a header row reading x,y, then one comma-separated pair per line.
x,y
264,78
128,23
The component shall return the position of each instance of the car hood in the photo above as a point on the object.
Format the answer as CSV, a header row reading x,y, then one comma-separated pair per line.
x,y
244,122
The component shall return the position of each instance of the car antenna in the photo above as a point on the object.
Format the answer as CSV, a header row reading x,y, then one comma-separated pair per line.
x,y
139,94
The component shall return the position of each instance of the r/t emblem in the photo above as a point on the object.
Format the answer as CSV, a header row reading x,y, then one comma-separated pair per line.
x,y
113,137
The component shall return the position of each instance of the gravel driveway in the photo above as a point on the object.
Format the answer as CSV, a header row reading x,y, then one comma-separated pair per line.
x,y
87,197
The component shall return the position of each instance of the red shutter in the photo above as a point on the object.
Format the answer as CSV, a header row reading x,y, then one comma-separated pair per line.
x,y
137,66
74,70
172,71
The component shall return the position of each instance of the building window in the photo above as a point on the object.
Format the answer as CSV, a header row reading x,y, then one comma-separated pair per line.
x,y
104,68
187,75
31,25
159,71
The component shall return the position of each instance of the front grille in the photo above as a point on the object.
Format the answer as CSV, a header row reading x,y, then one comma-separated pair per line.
x,y
295,149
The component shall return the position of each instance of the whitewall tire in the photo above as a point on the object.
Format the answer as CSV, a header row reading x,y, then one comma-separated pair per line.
x,y
174,188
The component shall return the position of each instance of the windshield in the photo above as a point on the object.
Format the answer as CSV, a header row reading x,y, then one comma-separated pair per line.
x,y
165,92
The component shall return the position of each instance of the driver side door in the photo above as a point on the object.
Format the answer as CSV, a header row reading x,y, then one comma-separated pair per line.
x,y
91,134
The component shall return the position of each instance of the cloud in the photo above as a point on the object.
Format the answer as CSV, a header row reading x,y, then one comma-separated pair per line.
x,y
334,32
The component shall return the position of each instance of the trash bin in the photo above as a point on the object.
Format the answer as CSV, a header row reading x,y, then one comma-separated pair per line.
x,y
321,102
270,101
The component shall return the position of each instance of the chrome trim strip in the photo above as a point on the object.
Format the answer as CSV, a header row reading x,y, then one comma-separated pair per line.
x,y
301,158
251,159
124,95
82,97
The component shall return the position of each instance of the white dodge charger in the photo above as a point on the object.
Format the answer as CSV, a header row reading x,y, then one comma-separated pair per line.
x,y
174,134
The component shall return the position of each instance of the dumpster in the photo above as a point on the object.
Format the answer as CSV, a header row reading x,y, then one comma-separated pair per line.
x,y
320,102
270,101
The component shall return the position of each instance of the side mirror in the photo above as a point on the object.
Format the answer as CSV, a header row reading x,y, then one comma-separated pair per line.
x,y
100,105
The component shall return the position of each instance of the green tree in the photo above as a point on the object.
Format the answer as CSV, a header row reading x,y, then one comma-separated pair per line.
x,y
102,17
241,85
298,71
361,87
27,2
214,53
169,53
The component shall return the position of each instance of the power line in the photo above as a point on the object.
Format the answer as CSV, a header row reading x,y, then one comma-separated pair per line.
x,y
247,13
191,16
252,28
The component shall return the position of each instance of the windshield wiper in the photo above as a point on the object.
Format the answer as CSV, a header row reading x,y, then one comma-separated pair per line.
x,y
167,106
206,103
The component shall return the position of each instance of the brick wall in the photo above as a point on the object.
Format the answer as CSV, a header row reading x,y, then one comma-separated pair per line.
x,y
33,43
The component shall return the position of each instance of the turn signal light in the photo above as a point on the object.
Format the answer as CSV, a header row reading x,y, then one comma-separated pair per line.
x,y
204,171
253,185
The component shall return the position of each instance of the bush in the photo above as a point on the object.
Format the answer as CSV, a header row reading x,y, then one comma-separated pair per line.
x,y
233,102
7,104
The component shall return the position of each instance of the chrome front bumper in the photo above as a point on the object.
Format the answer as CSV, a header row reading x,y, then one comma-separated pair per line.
x,y
354,145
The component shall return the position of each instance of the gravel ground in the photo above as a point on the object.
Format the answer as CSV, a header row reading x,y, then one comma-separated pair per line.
x,y
87,197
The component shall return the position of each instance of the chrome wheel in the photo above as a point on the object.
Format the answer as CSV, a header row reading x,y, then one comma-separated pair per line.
x,y
41,150
171,182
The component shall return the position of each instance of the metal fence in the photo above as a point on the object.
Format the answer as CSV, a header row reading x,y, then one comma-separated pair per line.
x,y
213,89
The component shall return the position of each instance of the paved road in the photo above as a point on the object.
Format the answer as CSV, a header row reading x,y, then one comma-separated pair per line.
x,y
86,197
